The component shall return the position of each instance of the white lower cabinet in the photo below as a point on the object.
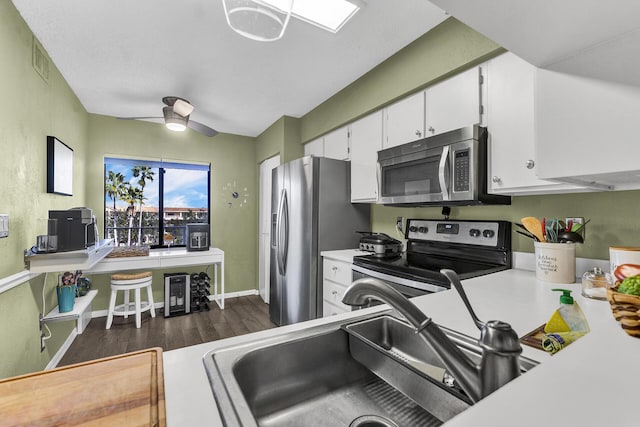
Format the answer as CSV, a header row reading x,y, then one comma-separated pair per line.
x,y
513,163
336,279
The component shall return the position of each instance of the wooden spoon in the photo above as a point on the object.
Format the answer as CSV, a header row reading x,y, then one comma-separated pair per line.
x,y
533,226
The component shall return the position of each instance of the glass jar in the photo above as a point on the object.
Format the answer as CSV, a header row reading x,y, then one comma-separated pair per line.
x,y
595,283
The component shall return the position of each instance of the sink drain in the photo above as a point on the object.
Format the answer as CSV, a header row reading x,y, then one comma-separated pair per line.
x,y
372,421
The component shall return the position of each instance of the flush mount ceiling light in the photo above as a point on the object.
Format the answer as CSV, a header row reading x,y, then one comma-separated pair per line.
x,y
174,121
266,20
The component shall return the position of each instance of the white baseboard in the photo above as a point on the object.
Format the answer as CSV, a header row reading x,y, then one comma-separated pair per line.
x,y
62,350
237,294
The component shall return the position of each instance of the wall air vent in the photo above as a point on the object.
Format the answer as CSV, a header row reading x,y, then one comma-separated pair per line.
x,y
40,60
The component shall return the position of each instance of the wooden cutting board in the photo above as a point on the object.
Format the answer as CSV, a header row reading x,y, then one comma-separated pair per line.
x,y
124,390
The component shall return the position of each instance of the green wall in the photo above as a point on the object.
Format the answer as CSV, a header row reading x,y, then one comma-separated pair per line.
x,y
282,137
32,108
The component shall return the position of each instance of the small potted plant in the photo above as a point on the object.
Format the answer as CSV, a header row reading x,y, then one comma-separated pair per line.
x,y
66,290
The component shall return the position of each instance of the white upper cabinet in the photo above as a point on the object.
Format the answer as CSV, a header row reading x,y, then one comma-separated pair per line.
x,y
510,121
404,121
336,144
453,103
586,130
314,148
365,141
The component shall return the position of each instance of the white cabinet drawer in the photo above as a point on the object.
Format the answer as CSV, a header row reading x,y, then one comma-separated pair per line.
x,y
329,309
337,271
333,292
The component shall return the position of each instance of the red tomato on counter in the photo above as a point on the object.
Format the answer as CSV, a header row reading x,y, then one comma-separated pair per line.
x,y
626,270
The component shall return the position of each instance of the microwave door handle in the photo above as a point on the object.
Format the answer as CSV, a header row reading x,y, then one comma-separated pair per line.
x,y
378,181
442,173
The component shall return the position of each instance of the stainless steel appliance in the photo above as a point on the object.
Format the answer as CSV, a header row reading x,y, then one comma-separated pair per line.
x,y
446,169
197,237
310,212
382,245
470,248
177,294
75,228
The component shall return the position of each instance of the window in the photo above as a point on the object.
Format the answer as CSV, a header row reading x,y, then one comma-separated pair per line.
x,y
151,202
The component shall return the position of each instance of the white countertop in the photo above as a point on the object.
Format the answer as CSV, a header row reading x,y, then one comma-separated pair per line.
x,y
589,383
345,255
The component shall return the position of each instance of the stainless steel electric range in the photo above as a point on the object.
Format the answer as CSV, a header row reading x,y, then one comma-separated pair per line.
x,y
470,248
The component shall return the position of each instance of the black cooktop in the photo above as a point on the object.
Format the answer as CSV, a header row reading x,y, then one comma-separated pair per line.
x,y
470,248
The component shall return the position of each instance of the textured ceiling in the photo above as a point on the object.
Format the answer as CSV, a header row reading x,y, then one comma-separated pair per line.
x,y
120,57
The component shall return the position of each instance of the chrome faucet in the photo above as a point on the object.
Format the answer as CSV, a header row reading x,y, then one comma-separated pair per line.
x,y
499,342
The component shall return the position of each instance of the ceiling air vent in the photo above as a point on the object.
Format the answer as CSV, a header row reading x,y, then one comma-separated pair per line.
x,y
40,61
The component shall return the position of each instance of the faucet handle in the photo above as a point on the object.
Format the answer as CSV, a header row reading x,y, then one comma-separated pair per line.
x,y
455,281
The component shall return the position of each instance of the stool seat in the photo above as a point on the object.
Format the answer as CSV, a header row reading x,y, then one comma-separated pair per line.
x,y
127,282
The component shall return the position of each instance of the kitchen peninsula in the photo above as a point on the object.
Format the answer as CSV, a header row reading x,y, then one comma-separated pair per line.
x,y
595,369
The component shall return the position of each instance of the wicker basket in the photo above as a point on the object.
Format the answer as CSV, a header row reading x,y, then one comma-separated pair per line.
x,y
626,310
127,251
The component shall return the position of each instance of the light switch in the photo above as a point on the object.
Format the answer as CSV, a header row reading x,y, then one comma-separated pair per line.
x,y
4,225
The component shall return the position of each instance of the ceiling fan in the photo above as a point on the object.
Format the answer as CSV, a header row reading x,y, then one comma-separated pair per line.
x,y
176,116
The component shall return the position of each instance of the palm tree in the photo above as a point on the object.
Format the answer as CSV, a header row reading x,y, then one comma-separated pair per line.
x,y
144,174
114,187
131,195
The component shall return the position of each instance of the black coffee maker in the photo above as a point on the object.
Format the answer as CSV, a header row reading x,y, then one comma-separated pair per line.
x,y
75,228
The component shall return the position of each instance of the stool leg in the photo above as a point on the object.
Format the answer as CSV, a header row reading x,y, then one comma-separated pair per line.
x,y
138,317
112,305
126,304
150,300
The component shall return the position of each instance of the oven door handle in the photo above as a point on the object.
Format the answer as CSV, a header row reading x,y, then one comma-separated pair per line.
x,y
443,172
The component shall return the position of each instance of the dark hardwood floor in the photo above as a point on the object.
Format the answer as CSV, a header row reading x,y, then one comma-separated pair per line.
x,y
241,316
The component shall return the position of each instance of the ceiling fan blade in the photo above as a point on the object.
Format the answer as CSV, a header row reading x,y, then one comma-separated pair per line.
x,y
138,118
182,107
203,129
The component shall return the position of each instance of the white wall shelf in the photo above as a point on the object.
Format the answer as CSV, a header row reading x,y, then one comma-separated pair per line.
x,y
67,261
81,312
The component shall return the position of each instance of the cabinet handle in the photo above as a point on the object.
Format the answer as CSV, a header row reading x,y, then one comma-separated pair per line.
x,y
334,293
530,164
496,179
418,133
431,129
334,268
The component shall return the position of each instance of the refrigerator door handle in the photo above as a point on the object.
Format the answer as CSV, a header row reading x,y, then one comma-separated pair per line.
x,y
282,222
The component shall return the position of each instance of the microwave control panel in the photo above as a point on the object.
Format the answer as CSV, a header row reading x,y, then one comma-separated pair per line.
x,y
461,170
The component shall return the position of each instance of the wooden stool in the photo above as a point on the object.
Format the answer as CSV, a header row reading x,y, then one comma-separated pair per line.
x,y
127,282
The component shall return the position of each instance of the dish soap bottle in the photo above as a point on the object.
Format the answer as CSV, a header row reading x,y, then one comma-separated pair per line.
x,y
567,324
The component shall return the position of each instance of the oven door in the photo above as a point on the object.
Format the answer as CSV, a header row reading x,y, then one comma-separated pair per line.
x,y
414,177
408,288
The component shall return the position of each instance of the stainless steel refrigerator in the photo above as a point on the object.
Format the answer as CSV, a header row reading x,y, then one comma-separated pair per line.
x,y
311,212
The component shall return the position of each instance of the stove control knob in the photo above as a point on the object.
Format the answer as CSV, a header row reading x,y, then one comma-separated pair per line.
x,y
488,233
413,229
474,232
423,230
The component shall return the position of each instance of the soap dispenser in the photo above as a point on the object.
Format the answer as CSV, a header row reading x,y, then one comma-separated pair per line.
x,y
567,324
568,317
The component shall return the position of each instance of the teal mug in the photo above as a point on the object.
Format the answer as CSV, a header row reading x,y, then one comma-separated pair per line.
x,y
66,298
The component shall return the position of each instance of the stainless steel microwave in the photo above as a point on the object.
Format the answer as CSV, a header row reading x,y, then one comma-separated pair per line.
x,y
442,170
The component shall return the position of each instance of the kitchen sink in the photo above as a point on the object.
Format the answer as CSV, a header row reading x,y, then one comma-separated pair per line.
x,y
371,371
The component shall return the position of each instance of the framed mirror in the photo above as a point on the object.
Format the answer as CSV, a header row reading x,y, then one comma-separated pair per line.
x,y
59,167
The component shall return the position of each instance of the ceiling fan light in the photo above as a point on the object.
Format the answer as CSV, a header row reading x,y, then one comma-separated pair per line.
x,y
174,121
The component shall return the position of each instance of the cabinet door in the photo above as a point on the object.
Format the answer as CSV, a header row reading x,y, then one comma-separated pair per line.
x,y
587,129
453,103
404,121
314,148
336,144
365,141
510,121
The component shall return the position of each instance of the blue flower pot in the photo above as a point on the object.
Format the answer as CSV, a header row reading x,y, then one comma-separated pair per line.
x,y
66,298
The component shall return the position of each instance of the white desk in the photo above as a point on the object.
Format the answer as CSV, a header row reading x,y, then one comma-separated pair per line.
x,y
168,258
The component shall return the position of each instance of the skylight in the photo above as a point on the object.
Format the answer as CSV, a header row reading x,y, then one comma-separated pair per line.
x,y
329,15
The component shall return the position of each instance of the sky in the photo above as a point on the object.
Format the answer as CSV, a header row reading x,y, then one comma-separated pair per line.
x,y
182,188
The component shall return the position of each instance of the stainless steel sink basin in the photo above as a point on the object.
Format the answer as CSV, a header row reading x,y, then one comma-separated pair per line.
x,y
371,371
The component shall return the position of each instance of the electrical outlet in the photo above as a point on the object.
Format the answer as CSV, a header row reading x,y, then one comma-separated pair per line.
x,y
399,221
